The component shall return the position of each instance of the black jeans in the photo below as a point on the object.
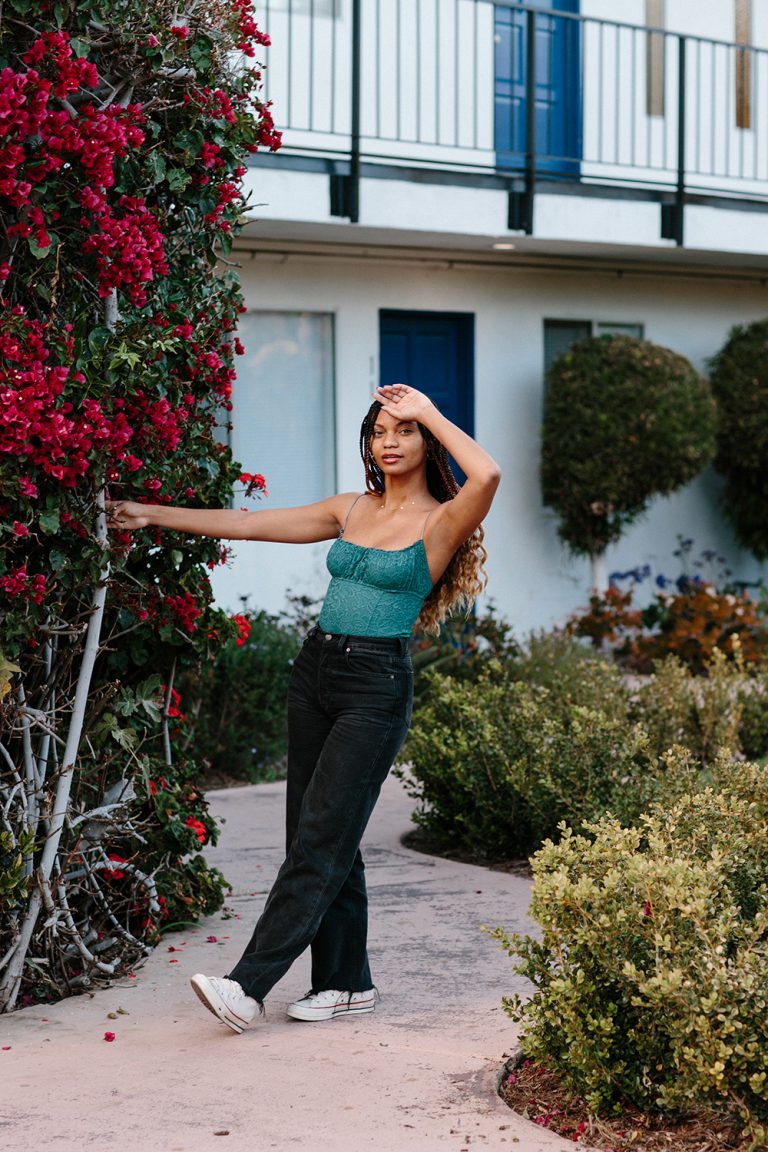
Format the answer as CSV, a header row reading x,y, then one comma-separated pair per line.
x,y
349,707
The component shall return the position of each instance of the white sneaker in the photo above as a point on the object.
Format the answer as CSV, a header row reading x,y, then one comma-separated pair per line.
x,y
325,1005
226,999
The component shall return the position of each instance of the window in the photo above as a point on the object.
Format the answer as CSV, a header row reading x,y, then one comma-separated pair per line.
x,y
743,73
654,58
607,328
559,335
283,405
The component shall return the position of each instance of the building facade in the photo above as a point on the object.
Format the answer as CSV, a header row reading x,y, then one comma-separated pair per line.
x,y
465,188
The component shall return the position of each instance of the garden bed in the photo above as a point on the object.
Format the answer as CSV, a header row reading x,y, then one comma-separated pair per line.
x,y
538,1093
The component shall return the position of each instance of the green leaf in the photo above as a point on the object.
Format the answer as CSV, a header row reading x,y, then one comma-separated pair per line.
x,y
178,179
98,338
189,140
38,252
200,54
57,560
156,166
125,737
7,672
49,521
79,47
123,356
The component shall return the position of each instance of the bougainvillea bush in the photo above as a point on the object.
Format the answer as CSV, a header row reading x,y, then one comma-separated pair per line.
x,y
124,130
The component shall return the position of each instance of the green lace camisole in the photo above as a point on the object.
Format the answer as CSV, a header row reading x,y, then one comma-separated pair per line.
x,y
375,591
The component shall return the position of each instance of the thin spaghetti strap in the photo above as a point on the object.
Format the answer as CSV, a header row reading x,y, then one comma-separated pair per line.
x,y
424,525
349,513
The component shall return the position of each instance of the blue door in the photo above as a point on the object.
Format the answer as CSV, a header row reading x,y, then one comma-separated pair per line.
x,y
434,352
558,122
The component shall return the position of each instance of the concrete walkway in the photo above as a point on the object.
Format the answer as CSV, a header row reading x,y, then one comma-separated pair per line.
x,y
419,1075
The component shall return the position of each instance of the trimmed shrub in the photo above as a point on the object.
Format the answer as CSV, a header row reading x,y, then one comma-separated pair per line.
x,y
497,764
624,421
739,374
651,976
703,713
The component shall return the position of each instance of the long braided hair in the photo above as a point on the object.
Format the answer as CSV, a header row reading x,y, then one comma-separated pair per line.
x,y
464,578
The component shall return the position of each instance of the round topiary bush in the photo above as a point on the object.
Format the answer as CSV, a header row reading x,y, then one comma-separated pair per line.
x,y
624,421
740,385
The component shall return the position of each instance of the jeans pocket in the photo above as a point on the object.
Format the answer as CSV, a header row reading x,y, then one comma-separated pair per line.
x,y
368,662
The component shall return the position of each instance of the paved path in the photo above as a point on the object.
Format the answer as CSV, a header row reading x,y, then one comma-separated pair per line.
x,y
419,1075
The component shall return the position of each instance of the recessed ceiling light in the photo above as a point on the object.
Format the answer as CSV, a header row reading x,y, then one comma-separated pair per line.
x,y
503,247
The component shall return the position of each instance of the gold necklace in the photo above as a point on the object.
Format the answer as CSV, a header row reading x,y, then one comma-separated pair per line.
x,y
399,508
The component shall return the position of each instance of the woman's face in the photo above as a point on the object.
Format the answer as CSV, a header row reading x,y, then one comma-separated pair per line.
x,y
397,446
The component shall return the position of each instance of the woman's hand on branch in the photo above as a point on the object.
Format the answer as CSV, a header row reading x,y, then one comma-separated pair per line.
x,y
403,402
127,515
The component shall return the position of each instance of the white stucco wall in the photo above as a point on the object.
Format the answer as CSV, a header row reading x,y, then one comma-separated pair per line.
x,y
533,581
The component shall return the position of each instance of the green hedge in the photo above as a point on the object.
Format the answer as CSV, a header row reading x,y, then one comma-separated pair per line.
x,y
739,374
624,421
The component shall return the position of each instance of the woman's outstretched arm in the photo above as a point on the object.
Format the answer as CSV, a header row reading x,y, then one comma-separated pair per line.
x,y
304,525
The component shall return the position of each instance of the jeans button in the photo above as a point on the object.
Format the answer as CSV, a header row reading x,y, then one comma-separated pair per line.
x,y
328,636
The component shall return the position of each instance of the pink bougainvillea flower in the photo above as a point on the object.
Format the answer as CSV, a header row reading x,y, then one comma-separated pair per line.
x,y
243,629
27,488
254,482
211,939
109,1037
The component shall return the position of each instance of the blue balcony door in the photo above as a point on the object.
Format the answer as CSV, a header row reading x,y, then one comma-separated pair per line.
x,y
558,130
434,352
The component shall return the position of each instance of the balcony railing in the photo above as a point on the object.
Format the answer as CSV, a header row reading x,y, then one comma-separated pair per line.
x,y
505,94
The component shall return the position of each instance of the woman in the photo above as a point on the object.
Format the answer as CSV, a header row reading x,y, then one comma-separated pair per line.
x,y
408,548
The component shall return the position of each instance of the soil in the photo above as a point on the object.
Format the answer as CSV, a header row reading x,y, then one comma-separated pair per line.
x,y
538,1094
419,841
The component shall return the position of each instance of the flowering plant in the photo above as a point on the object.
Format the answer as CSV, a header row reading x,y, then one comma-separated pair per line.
x,y
690,617
124,134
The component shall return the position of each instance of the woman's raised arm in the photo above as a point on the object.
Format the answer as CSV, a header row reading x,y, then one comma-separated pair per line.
x,y
456,520
304,525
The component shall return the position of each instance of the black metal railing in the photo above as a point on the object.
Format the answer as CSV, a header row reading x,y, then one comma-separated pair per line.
x,y
511,95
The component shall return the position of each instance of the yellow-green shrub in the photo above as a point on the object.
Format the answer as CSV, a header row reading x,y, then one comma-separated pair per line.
x,y
651,972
